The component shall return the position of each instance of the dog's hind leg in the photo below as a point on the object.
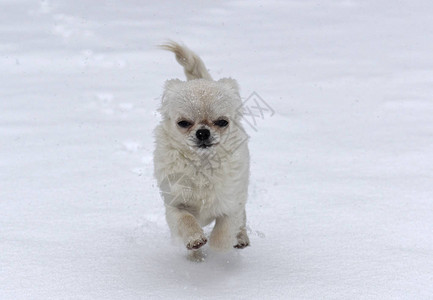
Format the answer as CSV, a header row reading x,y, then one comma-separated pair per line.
x,y
184,224
196,255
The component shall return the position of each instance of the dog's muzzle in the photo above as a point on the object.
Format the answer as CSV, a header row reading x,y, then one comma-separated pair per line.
x,y
202,134
203,138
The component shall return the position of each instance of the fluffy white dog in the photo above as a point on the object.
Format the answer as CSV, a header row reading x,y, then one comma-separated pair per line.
x,y
201,157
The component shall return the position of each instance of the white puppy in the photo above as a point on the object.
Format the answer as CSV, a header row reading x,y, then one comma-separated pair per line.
x,y
201,157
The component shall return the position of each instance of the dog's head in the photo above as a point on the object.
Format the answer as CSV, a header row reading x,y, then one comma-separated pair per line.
x,y
201,114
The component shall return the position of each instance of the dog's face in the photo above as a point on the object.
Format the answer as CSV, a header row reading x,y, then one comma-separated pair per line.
x,y
201,114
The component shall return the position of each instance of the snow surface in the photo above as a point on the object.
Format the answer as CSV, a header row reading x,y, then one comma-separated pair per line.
x,y
341,189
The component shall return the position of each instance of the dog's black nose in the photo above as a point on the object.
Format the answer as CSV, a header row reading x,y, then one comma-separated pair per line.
x,y
202,134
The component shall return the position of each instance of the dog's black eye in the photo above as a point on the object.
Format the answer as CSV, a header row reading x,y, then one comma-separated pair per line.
x,y
184,124
221,123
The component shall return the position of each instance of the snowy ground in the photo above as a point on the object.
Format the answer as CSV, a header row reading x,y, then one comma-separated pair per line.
x,y
341,189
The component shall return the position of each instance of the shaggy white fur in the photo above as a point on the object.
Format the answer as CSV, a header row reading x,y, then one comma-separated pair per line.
x,y
201,157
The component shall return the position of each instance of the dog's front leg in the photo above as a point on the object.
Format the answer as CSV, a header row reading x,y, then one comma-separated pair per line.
x,y
223,236
229,232
184,224
242,236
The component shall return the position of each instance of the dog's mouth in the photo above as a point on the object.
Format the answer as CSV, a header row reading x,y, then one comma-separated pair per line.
x,y
205,145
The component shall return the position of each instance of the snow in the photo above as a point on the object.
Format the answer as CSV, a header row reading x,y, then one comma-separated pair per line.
x,y
340,203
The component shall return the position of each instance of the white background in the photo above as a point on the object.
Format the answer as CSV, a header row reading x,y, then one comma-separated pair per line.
x,y
340,203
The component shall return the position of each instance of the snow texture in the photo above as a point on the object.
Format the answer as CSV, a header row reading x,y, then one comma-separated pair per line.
x,y
341,192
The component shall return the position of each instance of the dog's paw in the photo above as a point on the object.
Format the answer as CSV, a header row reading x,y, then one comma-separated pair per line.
x,y
241,245
196,242
243,240
196,255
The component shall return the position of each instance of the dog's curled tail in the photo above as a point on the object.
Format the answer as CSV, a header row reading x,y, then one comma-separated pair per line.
x,y
193,66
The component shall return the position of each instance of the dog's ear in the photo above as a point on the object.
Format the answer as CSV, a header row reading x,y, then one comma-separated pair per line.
x,y
172,84
171,88
230,84
232,87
